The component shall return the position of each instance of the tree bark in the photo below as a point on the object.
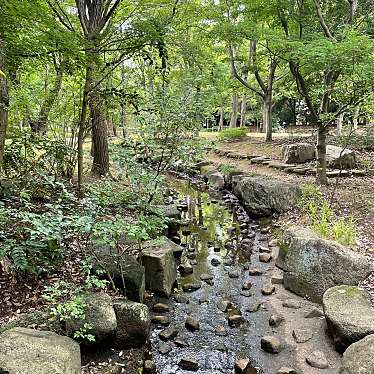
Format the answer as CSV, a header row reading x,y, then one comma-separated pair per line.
x,y
339,124
234,113
321,154
4,104
243,110
267,116
221,117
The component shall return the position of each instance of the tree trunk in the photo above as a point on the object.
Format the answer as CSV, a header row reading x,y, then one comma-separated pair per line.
x,y
321,154
4,104
234,113
243,110
339,124
267,116
355,118
221,117
41,125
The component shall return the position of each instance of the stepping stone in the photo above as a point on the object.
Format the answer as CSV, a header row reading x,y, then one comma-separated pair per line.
x,y
292,304
161,308
302,335
314,313
267,289
358,173
161,320
241,365
337,173
254,307
206,277
246,293
215,261
168,334
260,160
164,348
275,320
234,274
192,324
179,342
279,165
220,330
265,257
191,287
271,344
286,370
235,320
255,271
317,359
188,364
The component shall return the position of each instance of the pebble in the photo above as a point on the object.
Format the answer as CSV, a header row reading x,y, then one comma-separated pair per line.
x,y
275,320
149,367
318,360
302,335
255,271
206,277
161,320
180,299
265,257
192,324
215,261
235,320
247,286
246,293
314,313
161,308
188,364
191,287
241,365
286,370
220,330
224,305
292,304
267,289
271,344
168,334
164,348
234,274
254,307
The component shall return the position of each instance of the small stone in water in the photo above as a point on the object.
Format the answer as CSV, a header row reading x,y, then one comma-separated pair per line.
x,y
188,364
302,335
247,286
180,299
215,261
164,348
318,360
193,262
286,370
179,342
161,320
246,293
224,305
217,249
234,274
205,277
277,279
314,313
265,257
267,289
271,344
190,287
290,303
241,365
264,250
168,334
192,324
255,271
275,320
161,308
149,367
235,320
254,307
228,262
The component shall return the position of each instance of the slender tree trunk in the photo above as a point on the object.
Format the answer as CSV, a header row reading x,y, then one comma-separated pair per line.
x,y
243,110
4,104
221,118
321,154
339,124
355,118
41,125
234,113
267,117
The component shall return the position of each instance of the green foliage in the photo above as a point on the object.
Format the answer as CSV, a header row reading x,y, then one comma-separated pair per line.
x,y
323,219
232,134
363,141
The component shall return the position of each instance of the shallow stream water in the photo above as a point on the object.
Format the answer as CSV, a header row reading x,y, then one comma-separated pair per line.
x,y
217,227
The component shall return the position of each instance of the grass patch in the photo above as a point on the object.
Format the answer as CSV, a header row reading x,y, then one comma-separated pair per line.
x,y
232,134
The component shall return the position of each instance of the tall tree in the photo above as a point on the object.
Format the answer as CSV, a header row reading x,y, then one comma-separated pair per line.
x,y
4,102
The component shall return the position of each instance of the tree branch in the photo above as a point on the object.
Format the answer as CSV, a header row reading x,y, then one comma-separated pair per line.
x,y
322,21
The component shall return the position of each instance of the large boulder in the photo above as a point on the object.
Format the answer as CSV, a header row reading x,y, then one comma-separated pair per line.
x,y
340,158
264,196
157,257
27,351
133,322
298,153
99,314
312,264
216,180
126,273
349,315
359,357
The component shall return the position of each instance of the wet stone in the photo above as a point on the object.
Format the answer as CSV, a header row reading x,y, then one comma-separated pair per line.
x,y
191,256
215,261
286,370
246,286
168,334
180,342
220,330
235,320
254,307
317,359
164,348
206,277
203,300
268,289
246,293
246,266
191,287
217,249
234,274
149,367
180,299
251,235
161,320
277,279
224,305
193,262
271,344
264,250
255,271
265,257
221,347
241,365
161,308
228,262
302,335
275,320
314,313
273,243
292,304
188,364
210,282
192,324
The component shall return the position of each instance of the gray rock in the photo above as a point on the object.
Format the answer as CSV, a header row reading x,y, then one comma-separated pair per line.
x,y
314,313
161,308
255,271
161,320
170,211
30,351
149,367
216,180
224,305
254,307
122,269
206,277
160,269
180,342
292,304
302,335
337,158
99,314
192,324
277,279
133,322
275,320
191,287
267,289
185,268
298,153
265,257
312,264
188,364
264,196
286,370
215,261
246,293
168,334
271,344
247,286
349,315
241,365
220,331
164,348
359,357
317,359
234,274
235,320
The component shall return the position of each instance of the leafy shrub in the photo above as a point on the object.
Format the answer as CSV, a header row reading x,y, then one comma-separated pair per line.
x,y
234,133
363,141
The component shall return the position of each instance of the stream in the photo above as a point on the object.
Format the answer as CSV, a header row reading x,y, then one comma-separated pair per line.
x,y
216,228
